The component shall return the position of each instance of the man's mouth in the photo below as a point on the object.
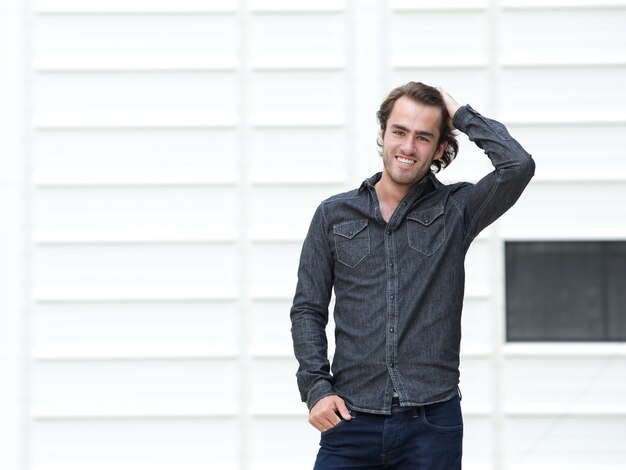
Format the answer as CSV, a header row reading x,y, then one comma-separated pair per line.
x,y
405,161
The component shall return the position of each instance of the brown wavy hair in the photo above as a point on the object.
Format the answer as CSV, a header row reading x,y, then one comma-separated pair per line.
x,y
430,96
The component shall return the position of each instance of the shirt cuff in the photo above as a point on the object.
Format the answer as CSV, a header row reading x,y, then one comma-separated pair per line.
x,y
320,390
463,116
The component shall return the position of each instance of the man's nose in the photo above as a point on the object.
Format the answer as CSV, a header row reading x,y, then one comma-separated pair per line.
x,y
408,146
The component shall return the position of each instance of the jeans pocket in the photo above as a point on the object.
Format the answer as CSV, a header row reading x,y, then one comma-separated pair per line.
x,y
352,241
426,230
443,417
335,428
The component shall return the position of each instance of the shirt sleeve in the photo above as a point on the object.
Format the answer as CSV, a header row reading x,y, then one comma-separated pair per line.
x,y
495,193
309,313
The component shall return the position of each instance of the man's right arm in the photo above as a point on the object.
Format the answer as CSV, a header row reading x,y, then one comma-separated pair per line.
x,y
309,313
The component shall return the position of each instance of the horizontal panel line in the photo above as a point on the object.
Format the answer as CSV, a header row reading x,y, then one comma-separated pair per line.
x,y
85,183
124,69
132,126
298,125
577,179
51,416
43,69
576,410
442,66
130,298
564,64
134,241
573,6
233,356
183,11
542,121
40,11
460,8
232,299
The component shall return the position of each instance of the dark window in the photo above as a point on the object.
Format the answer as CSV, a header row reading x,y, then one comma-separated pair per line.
x,y
566,291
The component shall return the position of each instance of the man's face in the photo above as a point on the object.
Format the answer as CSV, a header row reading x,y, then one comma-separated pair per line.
x,y
410,141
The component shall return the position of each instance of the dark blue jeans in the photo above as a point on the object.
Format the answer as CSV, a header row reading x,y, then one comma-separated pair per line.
x,y
421,438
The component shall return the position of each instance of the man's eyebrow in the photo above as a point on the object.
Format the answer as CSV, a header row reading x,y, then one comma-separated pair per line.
x,y
418,132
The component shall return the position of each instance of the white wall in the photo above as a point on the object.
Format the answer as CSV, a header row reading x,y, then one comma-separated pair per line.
x,y
160,163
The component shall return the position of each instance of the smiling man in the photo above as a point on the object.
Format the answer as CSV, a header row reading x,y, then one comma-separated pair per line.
x,y
393,250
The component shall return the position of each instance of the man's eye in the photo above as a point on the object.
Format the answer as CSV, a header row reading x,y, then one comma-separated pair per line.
x,y
400,133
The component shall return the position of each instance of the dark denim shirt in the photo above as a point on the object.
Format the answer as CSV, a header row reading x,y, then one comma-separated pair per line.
x,y
398,285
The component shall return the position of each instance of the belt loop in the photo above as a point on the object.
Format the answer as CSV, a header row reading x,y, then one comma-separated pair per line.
x,y
415,411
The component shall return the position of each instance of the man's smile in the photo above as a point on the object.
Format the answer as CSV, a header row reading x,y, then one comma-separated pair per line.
x,y
405,161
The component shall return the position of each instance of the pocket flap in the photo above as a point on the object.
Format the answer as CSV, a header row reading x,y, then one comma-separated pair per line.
x,y
426,216
350,228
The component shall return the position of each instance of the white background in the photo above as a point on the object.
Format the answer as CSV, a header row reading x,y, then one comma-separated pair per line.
x,y
160,162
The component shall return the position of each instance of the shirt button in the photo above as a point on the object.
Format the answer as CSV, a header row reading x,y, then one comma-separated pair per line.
x,y
390,264
388,232
392,296
390,330
393,365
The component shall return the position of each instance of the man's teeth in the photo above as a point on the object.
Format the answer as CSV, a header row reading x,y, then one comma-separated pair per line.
x,y
405,160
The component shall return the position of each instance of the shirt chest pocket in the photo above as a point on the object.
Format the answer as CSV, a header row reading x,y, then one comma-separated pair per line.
x,y
352,241
426,230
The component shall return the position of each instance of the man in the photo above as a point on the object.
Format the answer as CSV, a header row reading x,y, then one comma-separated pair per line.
x,y
393,250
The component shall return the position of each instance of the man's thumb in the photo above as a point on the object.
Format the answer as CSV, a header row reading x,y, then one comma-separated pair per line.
x,y
343,410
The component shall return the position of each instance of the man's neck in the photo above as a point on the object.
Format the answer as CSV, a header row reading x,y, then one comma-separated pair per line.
x,y
389,192
389,195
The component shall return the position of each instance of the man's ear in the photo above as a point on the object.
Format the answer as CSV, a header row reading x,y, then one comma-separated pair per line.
x,y
381,135
440,150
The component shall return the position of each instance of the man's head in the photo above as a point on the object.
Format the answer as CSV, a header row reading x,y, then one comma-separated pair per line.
x,y
423,97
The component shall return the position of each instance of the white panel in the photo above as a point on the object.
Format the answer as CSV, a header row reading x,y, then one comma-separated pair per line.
x,y
146,329
477,322
270,328
559,384
568,211
134,388
567,94
135,213
478,441
563,36
470,165
137,41
564,442
135,271
137,156
299,155
476,383
575,152
418,39
437,4
297,40
300,5
547,4
284,212
467,85
297,98
282,443
158,444
273,387
274,269
121,99
478,265
100,6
